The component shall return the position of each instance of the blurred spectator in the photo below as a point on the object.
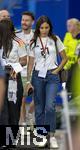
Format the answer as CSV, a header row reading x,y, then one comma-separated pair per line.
x,y
75,84
26,34
4,14
13,52
71,40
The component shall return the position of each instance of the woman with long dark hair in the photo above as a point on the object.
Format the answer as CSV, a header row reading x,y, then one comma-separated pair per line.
x,y
12,52
45,76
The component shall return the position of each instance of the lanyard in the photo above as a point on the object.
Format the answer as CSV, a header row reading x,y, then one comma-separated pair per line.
x,y
44,49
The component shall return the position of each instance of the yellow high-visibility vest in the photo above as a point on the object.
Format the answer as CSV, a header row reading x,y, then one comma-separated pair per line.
x,y
70,47
75,86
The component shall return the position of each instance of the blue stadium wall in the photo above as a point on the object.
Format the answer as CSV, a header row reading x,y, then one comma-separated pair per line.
x,y
57,10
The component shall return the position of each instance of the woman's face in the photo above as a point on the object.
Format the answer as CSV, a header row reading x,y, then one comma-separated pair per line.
x,y
44,29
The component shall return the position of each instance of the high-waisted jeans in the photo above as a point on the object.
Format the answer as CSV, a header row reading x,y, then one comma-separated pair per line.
x,y
45,92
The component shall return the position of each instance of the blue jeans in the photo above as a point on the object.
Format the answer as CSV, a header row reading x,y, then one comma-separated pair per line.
x,y
45,91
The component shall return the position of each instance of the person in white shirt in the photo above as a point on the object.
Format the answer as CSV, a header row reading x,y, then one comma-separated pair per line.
x,y
45,76
4,14
26,34
13,57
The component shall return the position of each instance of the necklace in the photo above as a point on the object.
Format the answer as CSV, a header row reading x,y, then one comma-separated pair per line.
x,y
44,49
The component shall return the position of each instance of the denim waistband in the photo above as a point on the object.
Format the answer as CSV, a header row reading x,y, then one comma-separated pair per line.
x,y
47,70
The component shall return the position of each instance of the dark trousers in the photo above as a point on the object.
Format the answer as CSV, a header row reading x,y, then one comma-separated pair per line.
x,y
14,109
11,112
69,80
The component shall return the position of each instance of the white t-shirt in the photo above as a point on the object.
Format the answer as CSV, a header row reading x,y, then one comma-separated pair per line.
x,y
17,52
51,59
26,39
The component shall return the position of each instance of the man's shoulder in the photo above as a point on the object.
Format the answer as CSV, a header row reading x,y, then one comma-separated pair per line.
x,y
19,32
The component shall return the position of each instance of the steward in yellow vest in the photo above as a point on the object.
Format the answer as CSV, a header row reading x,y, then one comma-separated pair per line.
x,y
71,45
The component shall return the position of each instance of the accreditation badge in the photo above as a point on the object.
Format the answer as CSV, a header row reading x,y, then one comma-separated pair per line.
x,y
42,73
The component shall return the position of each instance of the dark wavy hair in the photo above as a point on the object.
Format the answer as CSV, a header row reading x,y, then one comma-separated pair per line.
x,y
39,22
28,13
7,34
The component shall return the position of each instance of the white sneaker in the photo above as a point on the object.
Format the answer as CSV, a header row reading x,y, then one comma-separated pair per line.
x,y
53,143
